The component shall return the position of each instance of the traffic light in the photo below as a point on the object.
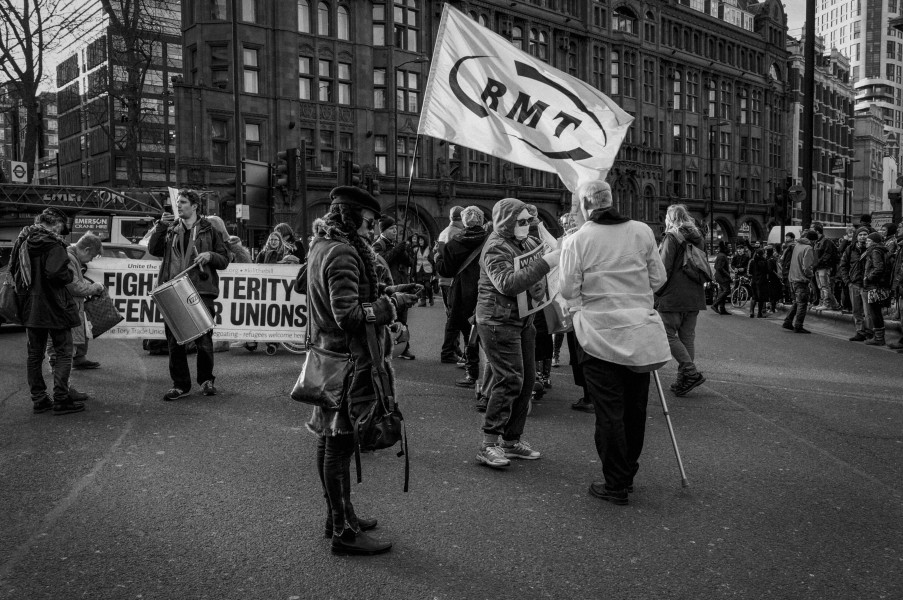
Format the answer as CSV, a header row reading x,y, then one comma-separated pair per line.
x,y
355,177
287,169
780,206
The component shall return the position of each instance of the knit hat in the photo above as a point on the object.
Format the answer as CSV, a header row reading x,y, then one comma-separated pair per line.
x,y
811,235
54,215
864,230
455,213
354,196
876,237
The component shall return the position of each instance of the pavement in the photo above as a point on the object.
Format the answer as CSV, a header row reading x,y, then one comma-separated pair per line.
x,y
793,450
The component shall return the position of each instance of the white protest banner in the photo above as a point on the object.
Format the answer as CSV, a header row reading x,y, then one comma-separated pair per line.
x,y
534,299
256,302
174,200
485,94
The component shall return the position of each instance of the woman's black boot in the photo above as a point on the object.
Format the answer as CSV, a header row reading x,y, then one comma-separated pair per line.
x,y
351,543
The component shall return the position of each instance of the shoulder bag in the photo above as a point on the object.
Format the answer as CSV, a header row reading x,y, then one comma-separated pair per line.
x,y
9,300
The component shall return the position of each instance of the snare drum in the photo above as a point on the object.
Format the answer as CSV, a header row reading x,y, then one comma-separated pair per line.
x,y
182,309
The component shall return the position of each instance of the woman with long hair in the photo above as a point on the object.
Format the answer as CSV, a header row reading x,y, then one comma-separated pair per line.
x,y
681,298
342,274
273,250
293,246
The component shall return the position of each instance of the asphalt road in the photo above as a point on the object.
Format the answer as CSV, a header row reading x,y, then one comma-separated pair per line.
x,y
793,450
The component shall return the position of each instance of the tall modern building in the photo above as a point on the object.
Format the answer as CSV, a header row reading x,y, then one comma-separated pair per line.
x,y
706,81
105,118
13,120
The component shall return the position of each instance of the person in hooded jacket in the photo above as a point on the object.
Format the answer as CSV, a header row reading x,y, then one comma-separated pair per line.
x,y
851,274
293,245
681,298
758,274
181,243
874,276
507,336
39,264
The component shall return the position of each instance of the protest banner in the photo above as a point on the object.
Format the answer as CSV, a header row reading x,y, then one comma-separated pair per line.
x,y
525,110
537,296
256,302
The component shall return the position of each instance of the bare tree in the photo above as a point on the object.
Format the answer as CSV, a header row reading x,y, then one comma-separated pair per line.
x,y
29,31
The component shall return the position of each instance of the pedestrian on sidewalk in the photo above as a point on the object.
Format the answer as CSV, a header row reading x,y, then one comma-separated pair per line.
x,y
801,269
758,275
451,349
851,265
342,273
876,274
775,287
181,242
826,260
722,278
507,337
681,298
610,269
39,263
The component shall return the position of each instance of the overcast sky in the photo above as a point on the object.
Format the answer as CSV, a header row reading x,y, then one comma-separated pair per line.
x,y
796,16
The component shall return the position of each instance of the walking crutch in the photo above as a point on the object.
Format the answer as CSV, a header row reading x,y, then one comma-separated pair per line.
x,y
661,395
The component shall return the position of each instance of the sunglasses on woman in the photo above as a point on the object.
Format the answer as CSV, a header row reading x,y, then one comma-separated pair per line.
x,y
522,222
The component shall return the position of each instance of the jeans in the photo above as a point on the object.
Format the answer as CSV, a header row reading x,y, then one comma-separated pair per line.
x,y
334,468
825,286
800,304
861,318
62,365
510,349
557,342
876,316
485,384
178,356
680,328
619,396
724,290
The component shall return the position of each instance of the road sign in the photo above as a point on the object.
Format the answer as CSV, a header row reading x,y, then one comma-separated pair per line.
x,y
18,171
797,193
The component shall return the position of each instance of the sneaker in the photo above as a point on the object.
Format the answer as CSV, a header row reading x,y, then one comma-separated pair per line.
x,y
85,364
493,456
800,330
583,405
556,362
65,408
467,382
42,406
690,382
520,449
174,394
208,389
787,325
77,396
601,490
406,355
861,337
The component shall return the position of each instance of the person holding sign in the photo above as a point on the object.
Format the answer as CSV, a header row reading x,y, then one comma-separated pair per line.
x,y
609,271
190,239
508,336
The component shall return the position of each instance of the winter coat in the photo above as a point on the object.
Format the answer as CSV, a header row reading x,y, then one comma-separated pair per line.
x,y
80,288
850,265
801,262
680,293
722,269
875,265
47,303
775,286
445,235
739,262
396,256
608,273
337,283
499,284
462,294
758,271
826,255
167,243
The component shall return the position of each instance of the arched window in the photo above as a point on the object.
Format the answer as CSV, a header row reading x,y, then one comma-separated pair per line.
x,y
543,45
343,29
517,37
482,20
323,18
624,20
303,16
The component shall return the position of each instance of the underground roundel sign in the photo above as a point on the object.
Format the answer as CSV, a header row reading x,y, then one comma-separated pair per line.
x,y
486,94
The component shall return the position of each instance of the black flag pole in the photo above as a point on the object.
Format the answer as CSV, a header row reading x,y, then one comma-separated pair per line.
x,y
407,202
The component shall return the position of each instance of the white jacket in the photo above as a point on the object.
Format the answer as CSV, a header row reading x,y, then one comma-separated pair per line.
x,y
608,274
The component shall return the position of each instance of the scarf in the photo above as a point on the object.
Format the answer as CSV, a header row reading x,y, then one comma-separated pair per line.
x,y
607,216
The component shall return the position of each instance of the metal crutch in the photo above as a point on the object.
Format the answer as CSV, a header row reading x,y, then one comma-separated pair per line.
x,y
661,395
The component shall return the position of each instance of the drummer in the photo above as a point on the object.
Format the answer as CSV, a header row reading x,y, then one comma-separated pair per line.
x,y
182,242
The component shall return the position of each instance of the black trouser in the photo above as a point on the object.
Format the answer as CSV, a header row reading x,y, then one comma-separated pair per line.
x,y
724,290
334,468
471,351
178,355
576,367
62,364
619,396
450,349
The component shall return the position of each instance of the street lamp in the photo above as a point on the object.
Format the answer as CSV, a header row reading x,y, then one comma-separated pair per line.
x,y
712,181
421,59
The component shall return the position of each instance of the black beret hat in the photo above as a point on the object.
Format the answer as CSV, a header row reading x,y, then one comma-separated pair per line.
x,y
354,196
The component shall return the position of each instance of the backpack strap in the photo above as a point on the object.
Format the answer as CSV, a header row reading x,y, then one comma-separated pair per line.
x,y
470,259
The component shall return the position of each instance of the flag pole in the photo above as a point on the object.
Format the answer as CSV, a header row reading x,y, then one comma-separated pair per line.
x,y
407,202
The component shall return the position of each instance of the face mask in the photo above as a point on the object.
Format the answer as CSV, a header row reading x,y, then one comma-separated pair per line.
x,y
521,233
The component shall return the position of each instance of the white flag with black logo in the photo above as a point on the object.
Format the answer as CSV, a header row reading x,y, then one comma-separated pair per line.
x,y
485,94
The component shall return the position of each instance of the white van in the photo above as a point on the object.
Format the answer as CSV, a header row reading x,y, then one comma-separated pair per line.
x,y
832,232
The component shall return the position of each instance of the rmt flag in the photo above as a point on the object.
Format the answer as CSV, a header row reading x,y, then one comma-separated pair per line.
x,y
485,94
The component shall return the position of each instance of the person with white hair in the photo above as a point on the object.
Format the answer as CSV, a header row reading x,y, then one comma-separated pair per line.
x,y
682,297
609,270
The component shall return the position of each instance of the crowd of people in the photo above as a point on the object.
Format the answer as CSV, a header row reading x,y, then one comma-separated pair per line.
x,y
634,302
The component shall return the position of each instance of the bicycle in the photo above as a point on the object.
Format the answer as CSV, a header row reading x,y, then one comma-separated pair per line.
x,y
742,291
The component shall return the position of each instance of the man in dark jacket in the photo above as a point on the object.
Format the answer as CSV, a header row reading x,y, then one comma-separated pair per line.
x,y
398,258
40,265
851,274
190,240
723,279
680,299
459,259
826,259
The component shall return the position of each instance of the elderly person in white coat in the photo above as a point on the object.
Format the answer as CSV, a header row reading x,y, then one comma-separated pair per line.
x,y
609,270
